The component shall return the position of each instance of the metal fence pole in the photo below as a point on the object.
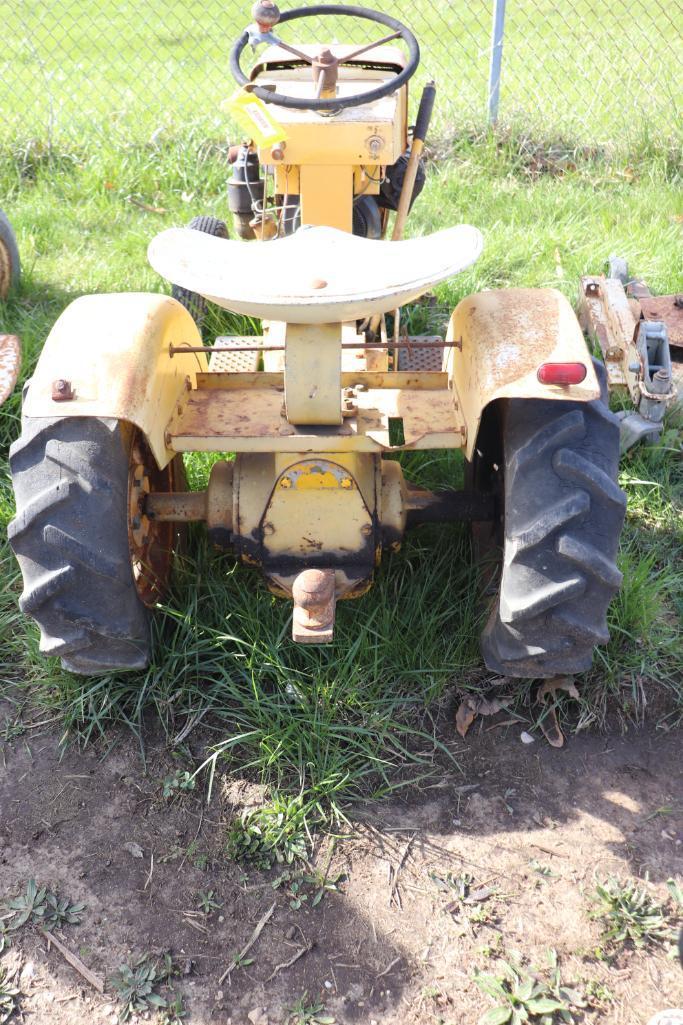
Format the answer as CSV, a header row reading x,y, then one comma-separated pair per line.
x,y
497,33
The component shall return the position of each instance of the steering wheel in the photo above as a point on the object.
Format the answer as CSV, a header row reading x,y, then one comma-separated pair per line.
x,y
255,34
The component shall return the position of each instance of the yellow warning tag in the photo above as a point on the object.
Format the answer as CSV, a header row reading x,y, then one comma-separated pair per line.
x,y
253,115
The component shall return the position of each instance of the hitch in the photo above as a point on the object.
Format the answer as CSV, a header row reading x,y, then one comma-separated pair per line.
x,y
316,527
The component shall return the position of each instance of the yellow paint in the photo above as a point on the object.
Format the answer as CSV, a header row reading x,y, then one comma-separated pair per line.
x,y
114,350
316,514
313,374
312,476
327,195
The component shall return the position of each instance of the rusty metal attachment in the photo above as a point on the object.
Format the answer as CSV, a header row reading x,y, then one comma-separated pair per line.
x,y
637,334
62,390
325,74
313,593
151,541
10,361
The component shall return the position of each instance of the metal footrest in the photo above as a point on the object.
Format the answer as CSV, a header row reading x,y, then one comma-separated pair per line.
x,y
420,357
235,362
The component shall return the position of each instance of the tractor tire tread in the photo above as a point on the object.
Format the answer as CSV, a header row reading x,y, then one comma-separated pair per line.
x,y
564,513
70,477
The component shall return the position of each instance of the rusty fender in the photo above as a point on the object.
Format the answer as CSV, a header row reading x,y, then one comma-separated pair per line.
x,y
501,338
108,356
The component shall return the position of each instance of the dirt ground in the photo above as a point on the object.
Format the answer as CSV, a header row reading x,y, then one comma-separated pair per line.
x,y
531,824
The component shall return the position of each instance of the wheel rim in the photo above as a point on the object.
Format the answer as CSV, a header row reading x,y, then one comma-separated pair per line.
x,y
151,544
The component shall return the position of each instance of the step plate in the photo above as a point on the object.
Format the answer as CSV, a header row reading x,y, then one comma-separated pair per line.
x,y
235,362
419,357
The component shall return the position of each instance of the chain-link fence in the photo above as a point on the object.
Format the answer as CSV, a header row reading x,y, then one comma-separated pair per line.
x,y
71,69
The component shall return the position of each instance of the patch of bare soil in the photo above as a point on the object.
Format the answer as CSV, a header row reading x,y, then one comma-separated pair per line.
x,y
531,825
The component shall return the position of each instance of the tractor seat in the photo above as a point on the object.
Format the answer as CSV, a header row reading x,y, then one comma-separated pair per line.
x,y
317,275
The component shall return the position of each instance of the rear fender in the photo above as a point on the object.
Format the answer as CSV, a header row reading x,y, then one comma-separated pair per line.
x,y
113,353
506,335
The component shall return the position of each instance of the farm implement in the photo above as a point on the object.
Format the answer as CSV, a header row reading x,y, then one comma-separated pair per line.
x,y
315,404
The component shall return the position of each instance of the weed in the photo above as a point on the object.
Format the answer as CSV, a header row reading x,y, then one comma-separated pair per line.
x,y
469,897
40,905
28,906
174,1013
206,901
522,994
192,853
598,994
241,960
494,947
11,729
8,994
303,1013
676,891
59,911
459,884
135,986
181,781
323,884
273,833
300,886
629,914
541,869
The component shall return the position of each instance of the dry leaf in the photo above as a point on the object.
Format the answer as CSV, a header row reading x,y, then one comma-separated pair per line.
x,y
476,896
551,728
552,686
472,706
549,724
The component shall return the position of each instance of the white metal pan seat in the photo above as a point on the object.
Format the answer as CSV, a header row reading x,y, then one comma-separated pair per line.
x,y
317,275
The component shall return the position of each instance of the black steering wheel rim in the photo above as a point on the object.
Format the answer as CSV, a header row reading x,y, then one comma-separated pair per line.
x,y
296,103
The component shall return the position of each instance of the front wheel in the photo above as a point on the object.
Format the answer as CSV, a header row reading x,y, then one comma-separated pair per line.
x,y
562,516
91,561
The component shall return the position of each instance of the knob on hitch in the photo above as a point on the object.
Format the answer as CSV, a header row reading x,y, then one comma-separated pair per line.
x,y
313,592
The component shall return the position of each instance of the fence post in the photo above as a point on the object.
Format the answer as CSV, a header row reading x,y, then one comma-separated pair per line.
x,y
497,33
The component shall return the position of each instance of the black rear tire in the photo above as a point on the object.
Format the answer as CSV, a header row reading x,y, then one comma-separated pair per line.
x,y
71,537
9,258
196,304
563,514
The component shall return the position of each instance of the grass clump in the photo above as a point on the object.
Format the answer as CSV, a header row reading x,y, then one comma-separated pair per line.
x,y
630,915
275,833
522,994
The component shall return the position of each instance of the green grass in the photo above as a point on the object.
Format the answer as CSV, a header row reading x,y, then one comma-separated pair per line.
x,y
324,727
118,72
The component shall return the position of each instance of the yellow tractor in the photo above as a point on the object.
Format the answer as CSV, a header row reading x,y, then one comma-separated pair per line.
x,y
312,407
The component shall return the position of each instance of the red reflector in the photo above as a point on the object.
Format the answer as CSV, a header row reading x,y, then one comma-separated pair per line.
x,y
561,373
